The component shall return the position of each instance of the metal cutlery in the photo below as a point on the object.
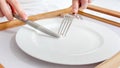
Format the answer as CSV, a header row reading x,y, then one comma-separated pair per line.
x,y
38,27
66,23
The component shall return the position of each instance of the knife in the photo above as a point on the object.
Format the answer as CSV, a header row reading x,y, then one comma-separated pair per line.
x,y
37,26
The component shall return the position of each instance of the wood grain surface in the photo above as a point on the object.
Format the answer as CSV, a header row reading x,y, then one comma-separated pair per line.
x,y
114,23
113,62
104,10
1,66
15,23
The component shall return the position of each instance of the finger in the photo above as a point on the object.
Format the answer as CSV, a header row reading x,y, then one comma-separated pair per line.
x,y
1,14
16,7
6,10
75,6
89,1
84,4
13,10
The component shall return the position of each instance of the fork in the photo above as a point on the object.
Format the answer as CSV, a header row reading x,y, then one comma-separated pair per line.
x,y
65,24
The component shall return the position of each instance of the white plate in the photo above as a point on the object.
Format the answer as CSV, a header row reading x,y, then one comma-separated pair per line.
x,y
85,43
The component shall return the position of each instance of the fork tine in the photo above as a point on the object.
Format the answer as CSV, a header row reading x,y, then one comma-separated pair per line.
x,y
68,25
62,25
65,25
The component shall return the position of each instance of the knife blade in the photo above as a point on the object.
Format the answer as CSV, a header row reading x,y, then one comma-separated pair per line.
x,y
37,26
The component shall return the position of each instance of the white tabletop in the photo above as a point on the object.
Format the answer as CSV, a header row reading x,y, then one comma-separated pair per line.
x,y
11,56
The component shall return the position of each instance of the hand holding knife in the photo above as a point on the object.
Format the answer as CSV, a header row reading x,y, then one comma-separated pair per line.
x,y
37,26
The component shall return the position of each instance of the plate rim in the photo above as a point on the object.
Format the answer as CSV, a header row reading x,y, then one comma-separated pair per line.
x,y
51,61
